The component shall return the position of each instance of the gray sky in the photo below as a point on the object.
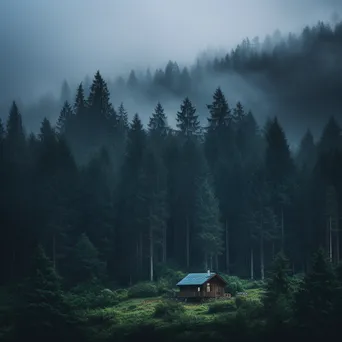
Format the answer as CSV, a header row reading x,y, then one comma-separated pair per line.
x,y
44,41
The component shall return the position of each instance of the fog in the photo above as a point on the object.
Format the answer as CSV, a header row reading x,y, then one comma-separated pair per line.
x,y
44,42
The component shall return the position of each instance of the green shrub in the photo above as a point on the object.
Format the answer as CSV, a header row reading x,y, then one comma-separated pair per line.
x,y
240,300
234,284
143,290
102,317
250,309
169,310
121,294
226,306
91,298
171,275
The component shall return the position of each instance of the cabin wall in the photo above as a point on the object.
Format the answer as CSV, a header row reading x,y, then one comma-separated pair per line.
x,y
216,287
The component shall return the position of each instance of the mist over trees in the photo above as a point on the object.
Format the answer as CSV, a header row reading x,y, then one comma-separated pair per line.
x,y
120,198
280,75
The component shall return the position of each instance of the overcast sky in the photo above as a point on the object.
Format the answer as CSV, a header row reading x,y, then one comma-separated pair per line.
x,y
44,41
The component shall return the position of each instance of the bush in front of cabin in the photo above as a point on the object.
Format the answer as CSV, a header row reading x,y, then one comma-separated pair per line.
x,y
168,310
222,306
143,290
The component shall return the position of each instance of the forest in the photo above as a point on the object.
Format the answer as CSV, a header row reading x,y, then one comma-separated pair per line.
x,y
97,204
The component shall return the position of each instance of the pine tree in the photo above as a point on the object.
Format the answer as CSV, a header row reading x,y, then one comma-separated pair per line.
x,y
278,160
122,118
15,135
132,213
65,121
331,137
86,264
42,313
80,102
207,222
154,174
187,121
220,114
99,97
101,114
238,113
2,140
158,122
315,298
307,154
278,294
132,81
249,141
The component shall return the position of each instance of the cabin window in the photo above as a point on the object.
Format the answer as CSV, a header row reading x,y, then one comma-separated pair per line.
x,y
208,287
199,289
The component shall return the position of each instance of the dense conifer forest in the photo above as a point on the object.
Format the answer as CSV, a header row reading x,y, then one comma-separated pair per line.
x,y
99,200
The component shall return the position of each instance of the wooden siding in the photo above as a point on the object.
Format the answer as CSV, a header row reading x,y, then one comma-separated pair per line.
x,y
191,291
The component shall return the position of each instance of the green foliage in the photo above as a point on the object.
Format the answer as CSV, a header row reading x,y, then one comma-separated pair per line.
x,y
249,309
234,284
102,317
143,290
224,306
169,310
315,298
85,262
279,283
42,312
91,298
169,275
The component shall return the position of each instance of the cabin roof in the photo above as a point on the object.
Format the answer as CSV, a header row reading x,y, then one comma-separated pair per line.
x,y
197,278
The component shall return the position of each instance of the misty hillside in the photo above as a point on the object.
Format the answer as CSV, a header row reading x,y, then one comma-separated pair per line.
x,y
297,78
114,191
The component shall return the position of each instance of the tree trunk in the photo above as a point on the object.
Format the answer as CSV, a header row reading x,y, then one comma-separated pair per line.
x,y
140,253
54,251
273,249
337,242
227,248
216,263
252,264
164,243
282,230
211,262
187,243
262,262
151,252
14,255
330,240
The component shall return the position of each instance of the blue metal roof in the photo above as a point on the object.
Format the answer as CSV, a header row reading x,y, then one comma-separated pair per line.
x,y
195,279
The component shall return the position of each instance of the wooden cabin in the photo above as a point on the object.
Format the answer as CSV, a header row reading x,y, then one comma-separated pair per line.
x,y
201,285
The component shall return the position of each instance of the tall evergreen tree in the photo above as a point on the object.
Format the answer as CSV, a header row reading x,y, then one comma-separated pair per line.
x,y
65,121
43,313
187,120
122,118
15,135
278,292
85,264
307,153
158,125
315,298
208,223
220,113
331,137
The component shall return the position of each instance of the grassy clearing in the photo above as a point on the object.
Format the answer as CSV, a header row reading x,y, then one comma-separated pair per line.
x,y
141,311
